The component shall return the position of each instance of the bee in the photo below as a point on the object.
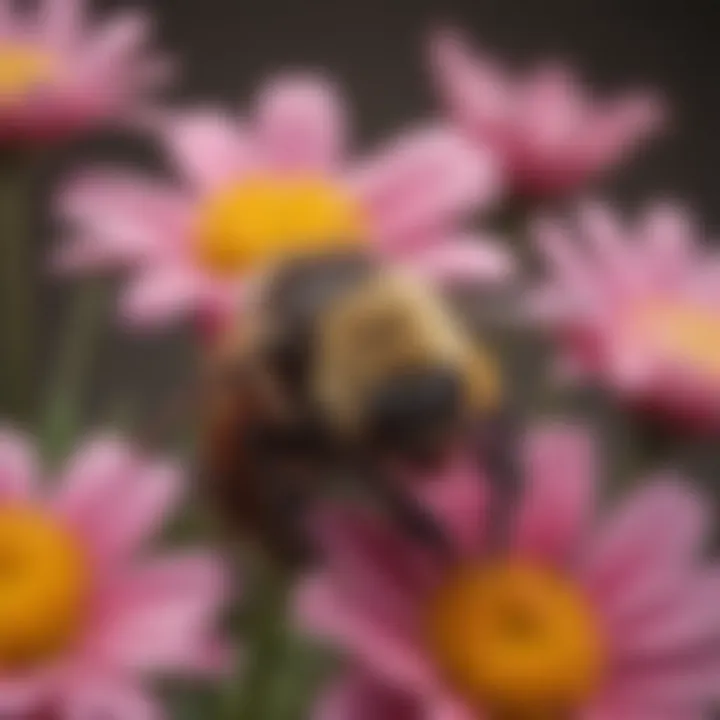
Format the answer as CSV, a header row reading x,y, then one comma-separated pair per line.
x,y
339,366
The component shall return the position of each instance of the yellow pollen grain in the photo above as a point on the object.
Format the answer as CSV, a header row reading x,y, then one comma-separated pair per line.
x,y
518,641
261,219
43,587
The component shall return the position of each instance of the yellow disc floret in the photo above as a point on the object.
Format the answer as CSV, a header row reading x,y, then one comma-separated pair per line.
x,y
23,68
516,640
43,587
263,218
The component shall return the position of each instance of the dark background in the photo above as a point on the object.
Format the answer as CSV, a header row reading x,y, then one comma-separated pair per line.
x,y
375,50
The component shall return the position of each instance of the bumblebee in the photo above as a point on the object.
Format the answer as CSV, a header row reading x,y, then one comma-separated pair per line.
x,y
339,367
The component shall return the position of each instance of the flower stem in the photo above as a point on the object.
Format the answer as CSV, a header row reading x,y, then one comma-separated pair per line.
x,y
63,413
17,288
265,633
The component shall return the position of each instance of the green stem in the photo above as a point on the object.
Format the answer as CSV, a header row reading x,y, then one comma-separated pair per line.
x,y
17,289
265,630
62,419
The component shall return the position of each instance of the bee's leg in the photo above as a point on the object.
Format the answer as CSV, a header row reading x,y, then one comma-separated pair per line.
x,y
495,447
407,511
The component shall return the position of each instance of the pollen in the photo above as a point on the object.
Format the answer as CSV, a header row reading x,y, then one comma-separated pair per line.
x,y
43,587
23,69
261,219
516,640
683,333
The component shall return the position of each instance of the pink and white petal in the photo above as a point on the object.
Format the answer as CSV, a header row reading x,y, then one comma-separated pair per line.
x,y
322,610
662,525
559,492
464,259
161,296
111,699
19,466
208,147
301,123
147,498
357,696
425,179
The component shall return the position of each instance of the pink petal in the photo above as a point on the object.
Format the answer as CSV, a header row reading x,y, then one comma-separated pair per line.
x,y
373,563
323,611
114,699
458,498
464,259
666,236
62,20
620,125
569,267
140,509
208,147
427,178
19,466
113,44
91,479
161,615
477,93
20,696
358,697
660,527
301,123
689,621
449,708
120,218
617,258
558,492
161,296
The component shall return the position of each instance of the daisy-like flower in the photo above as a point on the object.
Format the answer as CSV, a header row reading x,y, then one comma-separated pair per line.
x,y
84,612
596,618
635,307
59,73
551,133
275,184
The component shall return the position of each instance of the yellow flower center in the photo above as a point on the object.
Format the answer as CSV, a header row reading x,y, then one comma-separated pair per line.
x,y
43,586
518,641
686,333
262,219
22,69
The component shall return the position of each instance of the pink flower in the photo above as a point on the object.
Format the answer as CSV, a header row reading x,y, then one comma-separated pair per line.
x,y
59,74
637,307
591,617
276,183
552,135
84,612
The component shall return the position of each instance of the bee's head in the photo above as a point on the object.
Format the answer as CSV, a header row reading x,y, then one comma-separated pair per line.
x,y
393,367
